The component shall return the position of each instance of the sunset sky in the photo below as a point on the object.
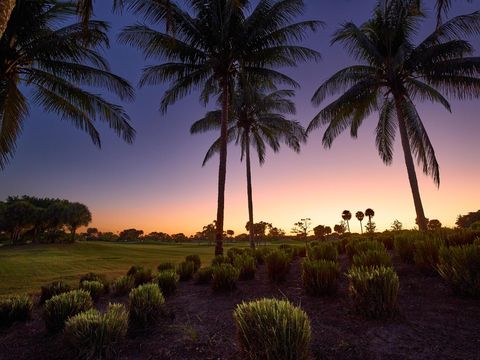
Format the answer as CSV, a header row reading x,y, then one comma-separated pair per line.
x,y
158,183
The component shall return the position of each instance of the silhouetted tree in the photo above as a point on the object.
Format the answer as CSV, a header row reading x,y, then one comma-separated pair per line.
x,y
393,75
434,224
321,230
346,216
55,63
370,227
360,215
76,215
213,40
340,228
466,221
130,235
369,213
396,225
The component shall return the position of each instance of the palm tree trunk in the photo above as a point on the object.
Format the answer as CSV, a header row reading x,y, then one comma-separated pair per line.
x,y
361,228
348,226
222,169
6,8
249,192
412,176
74,230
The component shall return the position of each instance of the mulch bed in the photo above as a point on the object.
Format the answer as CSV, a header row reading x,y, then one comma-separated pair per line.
x,y
432,324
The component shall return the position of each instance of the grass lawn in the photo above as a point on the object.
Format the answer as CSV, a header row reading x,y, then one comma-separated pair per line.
x,y
27,268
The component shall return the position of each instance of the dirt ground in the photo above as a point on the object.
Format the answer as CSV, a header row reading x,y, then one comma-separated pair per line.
x,y
432,324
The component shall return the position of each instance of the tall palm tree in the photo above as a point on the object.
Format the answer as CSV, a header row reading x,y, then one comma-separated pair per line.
x,y
257,119
55,62
369,213
392,76
6,8
360,215
441,8
346,216
212,40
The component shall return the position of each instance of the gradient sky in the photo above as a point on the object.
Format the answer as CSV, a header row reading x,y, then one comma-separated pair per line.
x,y
158,184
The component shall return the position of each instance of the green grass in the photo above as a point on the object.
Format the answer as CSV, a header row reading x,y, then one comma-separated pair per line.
x,y
27,268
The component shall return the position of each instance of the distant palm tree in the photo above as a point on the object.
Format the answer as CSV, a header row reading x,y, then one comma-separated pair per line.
x,y
369,213
360,215
212,40
392,75
55,63
257,119
347,215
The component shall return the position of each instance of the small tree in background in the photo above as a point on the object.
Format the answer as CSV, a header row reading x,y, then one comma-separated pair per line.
x,y
76,215
370,227
396,225
340,228
434,224
346,216
322,230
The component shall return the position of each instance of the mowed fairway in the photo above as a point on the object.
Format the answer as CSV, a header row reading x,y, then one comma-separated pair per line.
x,y
27,268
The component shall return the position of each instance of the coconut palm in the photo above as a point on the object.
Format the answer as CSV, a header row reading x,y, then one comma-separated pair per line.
x,y
346,216
369,213
360,215
441,8
212,39
55,63
6,8
392,76
257,120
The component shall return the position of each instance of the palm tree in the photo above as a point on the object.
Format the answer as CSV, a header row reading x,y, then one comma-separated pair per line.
x,y
211,41
257,119
6,8
360,215
441,8
392,75
346,216
55,62
369,213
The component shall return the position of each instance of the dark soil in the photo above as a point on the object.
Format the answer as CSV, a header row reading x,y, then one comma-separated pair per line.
x,y
432,324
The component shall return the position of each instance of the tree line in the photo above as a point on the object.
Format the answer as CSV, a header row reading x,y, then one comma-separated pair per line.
x,y
234,53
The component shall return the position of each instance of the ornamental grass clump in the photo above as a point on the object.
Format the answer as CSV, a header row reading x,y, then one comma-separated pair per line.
x,y
166,266
323,251
94,288
278,265
374,291
92,276
122,285
185,270
140,275
355,247
145,305
15,308
460,267
224,278
204,275
167,281
220,259
426,253
372,258
320,277
270,329
92,335
405,245
61,307
196,261
246,266
55,288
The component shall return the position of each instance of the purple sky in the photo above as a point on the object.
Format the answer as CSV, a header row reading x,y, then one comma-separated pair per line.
x,y
158,183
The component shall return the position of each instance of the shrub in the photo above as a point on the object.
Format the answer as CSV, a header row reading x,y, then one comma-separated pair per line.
x,y
145,305
260,254
15,308
204,275
91,276
246,265
405,246
278,264
460,267
232,253
94,288
374,291
55,288
320,277
196,261
372,258
92,335
224,277
426,253
167,281
387,239
123,285
323,251
60,307
461,237
166,266
271,329
186,270
355,247
140,275
299,251
220,259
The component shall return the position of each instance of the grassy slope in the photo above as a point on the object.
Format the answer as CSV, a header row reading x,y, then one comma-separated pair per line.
x,y
27,268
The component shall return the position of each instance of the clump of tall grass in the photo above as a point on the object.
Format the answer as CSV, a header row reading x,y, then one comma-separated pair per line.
x,y
246,266
145,305
122,285
405,245
224,277
55,288
272,329
60,307
167,281
278,265
371,258
323,251
356,246
320,277
15,308
426,253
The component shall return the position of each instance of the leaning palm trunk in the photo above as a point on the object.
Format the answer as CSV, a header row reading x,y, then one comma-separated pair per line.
x,y
412,176
6,8
222,169
249,192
